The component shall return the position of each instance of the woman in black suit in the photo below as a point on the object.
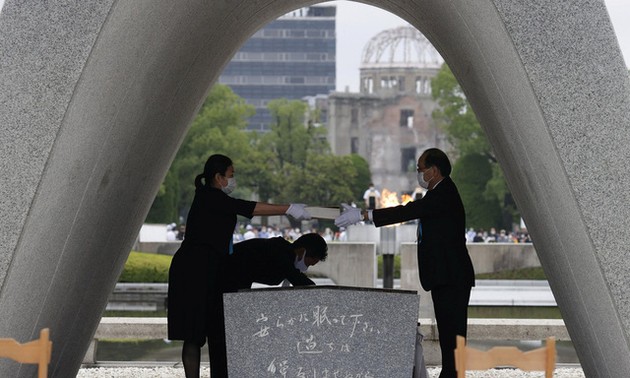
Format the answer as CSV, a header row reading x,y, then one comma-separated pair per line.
x,y
194,292
444,264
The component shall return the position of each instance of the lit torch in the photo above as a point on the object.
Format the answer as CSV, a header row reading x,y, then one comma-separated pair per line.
x,y
389,199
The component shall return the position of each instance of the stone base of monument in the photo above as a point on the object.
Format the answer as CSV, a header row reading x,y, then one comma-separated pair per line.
x,y
321,332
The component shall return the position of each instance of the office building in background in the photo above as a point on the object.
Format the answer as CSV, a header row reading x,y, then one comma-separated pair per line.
x,y
292,57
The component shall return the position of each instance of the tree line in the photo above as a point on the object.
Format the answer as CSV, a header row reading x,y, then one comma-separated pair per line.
x,y
487,199
290,163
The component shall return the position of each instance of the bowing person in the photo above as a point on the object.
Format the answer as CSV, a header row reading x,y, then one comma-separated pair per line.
x,y
270,262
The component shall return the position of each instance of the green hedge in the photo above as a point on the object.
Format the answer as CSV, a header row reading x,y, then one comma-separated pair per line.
x,y
146,267
151,267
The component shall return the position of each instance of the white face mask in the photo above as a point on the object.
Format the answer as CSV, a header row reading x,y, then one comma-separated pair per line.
x,y
421,182
300,264
231,185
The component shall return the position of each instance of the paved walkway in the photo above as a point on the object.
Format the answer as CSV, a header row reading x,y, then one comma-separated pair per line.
x,y
170,372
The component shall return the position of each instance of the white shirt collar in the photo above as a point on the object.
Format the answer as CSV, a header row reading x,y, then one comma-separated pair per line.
x,y
438,183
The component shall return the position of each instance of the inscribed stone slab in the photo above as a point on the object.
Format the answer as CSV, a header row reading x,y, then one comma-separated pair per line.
x,y
321,331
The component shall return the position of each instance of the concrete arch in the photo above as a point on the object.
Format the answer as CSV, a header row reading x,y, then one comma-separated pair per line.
x,y
95,98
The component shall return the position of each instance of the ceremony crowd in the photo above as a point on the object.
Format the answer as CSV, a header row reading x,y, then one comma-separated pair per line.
x,y
249,231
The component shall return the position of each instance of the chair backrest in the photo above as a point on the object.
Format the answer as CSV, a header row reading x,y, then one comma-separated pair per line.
x,y
467,358
37,351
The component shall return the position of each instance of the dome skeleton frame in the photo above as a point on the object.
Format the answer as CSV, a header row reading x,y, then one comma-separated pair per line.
x,y
401,46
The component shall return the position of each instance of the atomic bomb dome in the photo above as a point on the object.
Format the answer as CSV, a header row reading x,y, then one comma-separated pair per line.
x,y
389,122
399,60
403,46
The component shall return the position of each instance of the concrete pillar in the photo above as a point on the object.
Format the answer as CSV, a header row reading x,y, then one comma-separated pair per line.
x,y
549,85
409,279
349,264
95,98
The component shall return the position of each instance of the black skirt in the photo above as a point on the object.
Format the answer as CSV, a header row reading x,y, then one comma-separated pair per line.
x,y
194,297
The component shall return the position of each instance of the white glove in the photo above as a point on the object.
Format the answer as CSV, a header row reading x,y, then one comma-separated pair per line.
x,y
350,215
298,211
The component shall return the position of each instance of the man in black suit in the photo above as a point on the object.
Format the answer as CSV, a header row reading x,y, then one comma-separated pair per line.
x,y
444,265
267,261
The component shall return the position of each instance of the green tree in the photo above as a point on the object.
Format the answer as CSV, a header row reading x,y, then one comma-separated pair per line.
x,y
471,173
455,116
217,128
259,173
285,149
164,208
289,136
297,163
325,180
362,179
290,163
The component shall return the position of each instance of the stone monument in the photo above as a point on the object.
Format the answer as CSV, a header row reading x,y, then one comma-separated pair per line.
x,y
321,331
96,96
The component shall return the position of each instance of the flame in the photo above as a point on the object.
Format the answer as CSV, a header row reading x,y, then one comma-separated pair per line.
x,y
389,198
405,198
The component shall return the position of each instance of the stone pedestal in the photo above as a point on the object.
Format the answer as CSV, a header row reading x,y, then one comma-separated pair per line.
x,y
325,331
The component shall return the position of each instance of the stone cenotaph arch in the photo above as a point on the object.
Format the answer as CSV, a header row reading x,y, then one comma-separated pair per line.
x,y
96,96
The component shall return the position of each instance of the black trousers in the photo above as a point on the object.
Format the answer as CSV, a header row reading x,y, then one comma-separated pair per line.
x,y
216,341
450,304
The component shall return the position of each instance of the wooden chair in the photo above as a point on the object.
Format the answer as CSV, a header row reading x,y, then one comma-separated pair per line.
x,y
37,351
467,358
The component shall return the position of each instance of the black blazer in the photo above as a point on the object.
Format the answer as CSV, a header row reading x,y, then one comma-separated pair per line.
x,y
267,261
443,259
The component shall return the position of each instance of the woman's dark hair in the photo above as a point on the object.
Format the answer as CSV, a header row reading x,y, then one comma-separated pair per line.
x,y
436,157
314,244
215,164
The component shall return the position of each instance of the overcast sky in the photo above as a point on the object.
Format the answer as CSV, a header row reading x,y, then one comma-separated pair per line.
x,y
357,23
